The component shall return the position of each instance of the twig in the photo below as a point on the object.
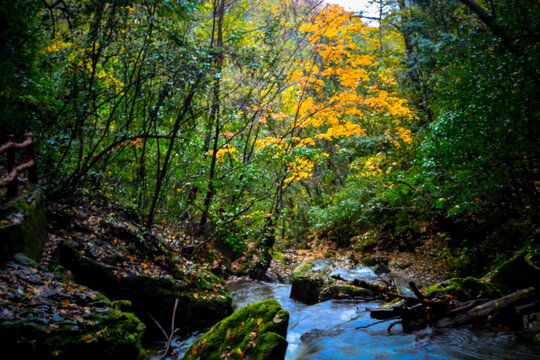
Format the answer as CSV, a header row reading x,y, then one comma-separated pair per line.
x,y
173,331
393,324
377,322
159,326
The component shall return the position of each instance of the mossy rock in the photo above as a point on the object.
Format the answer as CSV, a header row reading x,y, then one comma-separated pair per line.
x,y
45,316
315,268
372,261
255,332
114,335
303,268
464,289
306,289
381,269
519,272
23,228
343,291
200,302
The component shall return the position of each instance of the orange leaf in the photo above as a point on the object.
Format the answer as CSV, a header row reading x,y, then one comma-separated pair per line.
x,y
195,350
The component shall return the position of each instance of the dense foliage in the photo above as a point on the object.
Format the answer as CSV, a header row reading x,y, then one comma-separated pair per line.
x,y
246,122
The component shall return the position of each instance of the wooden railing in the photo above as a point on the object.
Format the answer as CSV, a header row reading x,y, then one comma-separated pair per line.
x,y
29,163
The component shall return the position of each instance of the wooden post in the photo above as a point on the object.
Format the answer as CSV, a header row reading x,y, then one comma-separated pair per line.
x,y
12,186
31,156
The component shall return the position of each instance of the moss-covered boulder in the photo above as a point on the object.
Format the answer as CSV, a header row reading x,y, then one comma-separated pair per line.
x,y
319,280
47,316
203,298
309,279
344,291
306,289
256,332
23,227
520,271
464,289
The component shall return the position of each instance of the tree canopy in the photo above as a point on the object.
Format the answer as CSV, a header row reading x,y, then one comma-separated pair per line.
x,y
248,123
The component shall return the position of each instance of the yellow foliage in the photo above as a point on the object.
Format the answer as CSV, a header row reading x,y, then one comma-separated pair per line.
x,y
300,169
370,167
223,152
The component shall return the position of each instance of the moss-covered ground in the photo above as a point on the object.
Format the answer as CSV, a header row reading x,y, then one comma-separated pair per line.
x,y
47,315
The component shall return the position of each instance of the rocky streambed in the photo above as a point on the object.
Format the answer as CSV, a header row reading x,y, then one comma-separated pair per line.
x,y
341,327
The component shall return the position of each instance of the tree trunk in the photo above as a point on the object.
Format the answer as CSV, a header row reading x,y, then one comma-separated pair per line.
x,y
214,112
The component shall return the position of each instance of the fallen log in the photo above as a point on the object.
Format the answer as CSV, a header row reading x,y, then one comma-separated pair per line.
x,y
385,314
528,308
446,313
486,309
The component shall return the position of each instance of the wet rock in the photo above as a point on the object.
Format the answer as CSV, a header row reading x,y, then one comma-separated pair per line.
x,y
306,289
47,316
315,267
344,291
318,333
381,268
256,331
322,279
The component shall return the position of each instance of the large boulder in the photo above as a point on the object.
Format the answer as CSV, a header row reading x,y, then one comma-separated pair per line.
x,y
306,289
203,299
309,279
319,280
255,332
45,315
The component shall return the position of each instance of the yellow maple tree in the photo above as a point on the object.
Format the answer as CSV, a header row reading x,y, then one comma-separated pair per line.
x,y
337,92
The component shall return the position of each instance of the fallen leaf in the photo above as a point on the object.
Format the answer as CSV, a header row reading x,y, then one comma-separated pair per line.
x,y
88,338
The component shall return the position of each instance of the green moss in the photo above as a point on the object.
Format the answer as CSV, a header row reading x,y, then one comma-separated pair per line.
x,y
463,289
306,290
366,242
26,228
202,296
117,335
278,256
344,292
303,268
256,331
518,272
107,332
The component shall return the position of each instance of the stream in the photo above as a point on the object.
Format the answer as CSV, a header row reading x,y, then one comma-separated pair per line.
x,y
328,330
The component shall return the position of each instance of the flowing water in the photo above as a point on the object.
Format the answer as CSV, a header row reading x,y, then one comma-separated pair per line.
x,y
329,330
